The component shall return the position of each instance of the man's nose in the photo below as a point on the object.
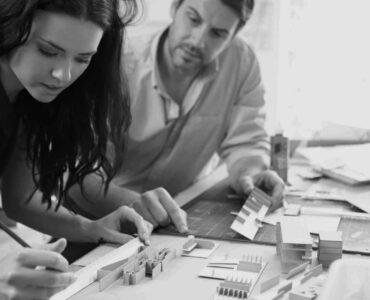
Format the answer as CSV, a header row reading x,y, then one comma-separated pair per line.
x,y
199,36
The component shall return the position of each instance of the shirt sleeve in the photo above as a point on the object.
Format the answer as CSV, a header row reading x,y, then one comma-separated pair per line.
x,y
246,144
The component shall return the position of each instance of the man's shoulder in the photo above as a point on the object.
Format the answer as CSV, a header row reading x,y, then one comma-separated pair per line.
x,y
241,48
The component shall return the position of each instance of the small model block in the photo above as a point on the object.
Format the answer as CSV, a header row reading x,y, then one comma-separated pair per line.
x,y
109,278
292,210
153,268
109,268
198,247
249,266
316,271
189,245
297,270
286,287
330,247
293,243
251,215
266,285
238,290
294,232
146,261
166,256
279,295
240,275
308,291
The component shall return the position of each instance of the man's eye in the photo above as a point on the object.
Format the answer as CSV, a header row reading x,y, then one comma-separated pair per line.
x,y
217,34
193,19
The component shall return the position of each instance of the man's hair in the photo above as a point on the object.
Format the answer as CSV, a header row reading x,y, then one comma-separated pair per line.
x,y
68,138
242,8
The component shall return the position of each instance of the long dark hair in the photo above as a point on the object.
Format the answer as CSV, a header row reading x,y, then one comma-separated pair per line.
x,y
70,136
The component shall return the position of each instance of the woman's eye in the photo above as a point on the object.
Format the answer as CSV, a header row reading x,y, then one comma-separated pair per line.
x,y
83,60
47,53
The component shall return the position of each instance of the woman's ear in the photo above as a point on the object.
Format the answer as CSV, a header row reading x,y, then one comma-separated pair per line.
x,y
174,6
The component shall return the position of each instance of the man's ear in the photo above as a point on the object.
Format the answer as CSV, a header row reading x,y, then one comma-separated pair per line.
x,y
174,6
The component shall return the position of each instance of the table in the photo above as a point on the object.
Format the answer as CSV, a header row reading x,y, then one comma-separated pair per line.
x,y
180,281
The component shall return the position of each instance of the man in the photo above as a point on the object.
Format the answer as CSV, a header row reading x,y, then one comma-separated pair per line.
x,y
196,90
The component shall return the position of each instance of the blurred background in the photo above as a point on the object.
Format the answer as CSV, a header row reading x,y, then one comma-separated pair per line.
x,y
315,62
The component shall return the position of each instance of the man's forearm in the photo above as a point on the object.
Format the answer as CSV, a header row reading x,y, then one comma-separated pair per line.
x,y
94,201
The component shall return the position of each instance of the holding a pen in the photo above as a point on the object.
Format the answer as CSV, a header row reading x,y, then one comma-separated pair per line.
x,y
20,279
64,113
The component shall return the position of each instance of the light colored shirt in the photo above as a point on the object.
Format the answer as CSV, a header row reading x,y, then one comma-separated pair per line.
x,y
222,112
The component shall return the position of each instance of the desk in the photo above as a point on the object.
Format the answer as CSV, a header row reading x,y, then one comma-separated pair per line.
x,y
180,280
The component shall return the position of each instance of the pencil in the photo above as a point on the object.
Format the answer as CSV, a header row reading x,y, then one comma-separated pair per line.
x,y
14,235
234,196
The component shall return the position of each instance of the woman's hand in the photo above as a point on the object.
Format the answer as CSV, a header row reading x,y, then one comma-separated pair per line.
x,y
109,228
35,273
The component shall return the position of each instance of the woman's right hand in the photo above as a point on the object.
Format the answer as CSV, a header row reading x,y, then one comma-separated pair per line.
x,y
32,273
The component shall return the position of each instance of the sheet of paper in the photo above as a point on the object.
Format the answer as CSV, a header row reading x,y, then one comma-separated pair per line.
x,y
313,223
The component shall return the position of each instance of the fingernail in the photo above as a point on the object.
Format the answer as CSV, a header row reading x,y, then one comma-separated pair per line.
x,y
72,278
146,239
184,229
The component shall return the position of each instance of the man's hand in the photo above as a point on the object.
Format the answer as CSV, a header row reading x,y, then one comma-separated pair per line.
x,y
159,208
109,228
20,279
268,181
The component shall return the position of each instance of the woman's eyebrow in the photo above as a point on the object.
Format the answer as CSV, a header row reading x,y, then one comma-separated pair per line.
x,y
52,44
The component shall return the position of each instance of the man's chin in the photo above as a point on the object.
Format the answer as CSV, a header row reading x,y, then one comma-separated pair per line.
x,y
188,65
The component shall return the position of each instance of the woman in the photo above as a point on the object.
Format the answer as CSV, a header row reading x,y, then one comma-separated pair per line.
x,y
62,98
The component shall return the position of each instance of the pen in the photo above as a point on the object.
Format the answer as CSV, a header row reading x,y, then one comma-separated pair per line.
x,y
234,196
13,235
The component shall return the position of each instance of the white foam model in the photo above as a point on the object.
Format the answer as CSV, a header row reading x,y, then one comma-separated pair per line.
x,y
88,274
